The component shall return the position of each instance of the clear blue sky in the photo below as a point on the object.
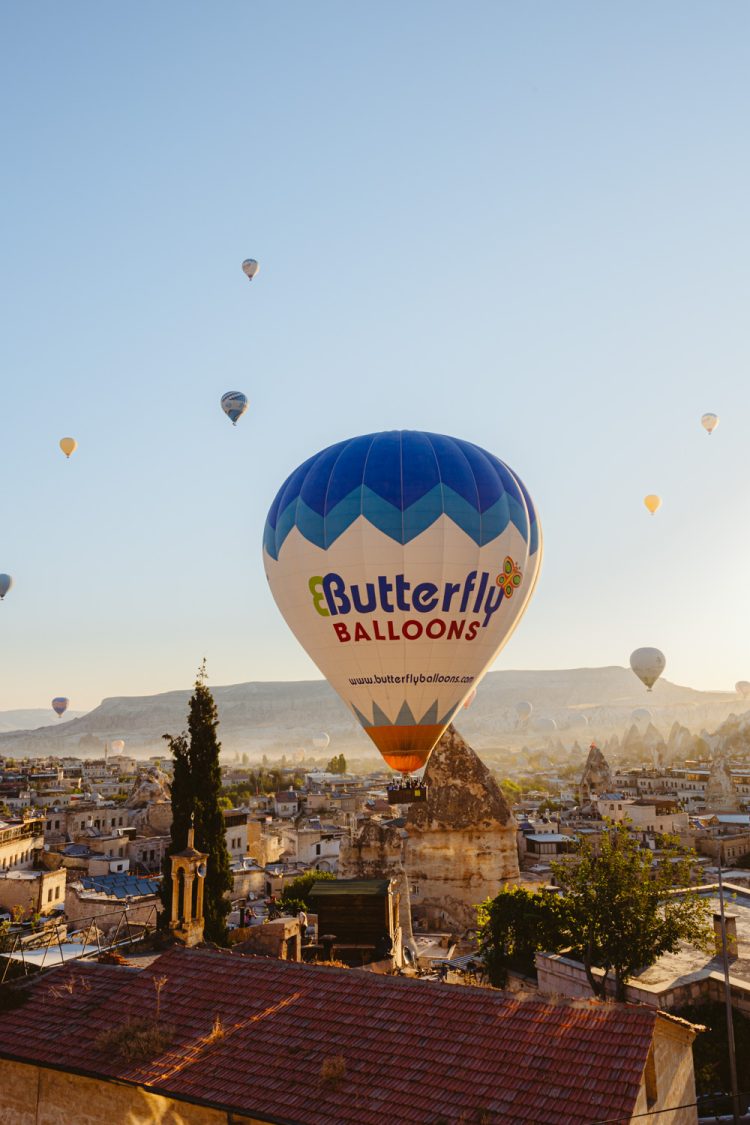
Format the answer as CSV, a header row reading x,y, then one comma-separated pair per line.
x,y
522,224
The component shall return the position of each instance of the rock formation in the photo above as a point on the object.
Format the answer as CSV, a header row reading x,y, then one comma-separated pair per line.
x,y
462,841
456,849
721,795
596,777
150,785
377,852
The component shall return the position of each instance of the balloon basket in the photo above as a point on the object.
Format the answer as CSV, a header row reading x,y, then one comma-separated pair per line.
x,y
407,793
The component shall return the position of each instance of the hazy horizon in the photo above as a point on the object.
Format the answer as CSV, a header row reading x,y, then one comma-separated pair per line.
x,y
522,226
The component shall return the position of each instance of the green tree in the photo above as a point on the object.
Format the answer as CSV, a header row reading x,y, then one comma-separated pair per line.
x,y
515,925
337,764
296,896
621,906
196,792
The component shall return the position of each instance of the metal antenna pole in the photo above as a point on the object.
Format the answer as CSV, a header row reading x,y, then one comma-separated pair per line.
x,y
728,1002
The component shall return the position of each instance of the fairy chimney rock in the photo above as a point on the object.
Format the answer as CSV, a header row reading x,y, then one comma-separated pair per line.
x,y
596,777
461,844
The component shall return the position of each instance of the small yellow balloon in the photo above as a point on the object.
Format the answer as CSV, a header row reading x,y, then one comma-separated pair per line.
x,y
653,503
68,445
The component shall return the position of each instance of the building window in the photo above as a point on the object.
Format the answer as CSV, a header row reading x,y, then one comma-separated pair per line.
x,y
652,1095
49,895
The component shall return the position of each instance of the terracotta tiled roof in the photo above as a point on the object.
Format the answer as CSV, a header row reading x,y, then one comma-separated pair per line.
x,y
414,1052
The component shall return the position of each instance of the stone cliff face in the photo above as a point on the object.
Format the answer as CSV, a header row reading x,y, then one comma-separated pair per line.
x,y
462,842
456,850
597,776
721,795
378,853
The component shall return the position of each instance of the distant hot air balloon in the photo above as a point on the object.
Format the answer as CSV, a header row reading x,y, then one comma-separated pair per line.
x,y
68,446
544,725
60,705
641,716
577,721
523,711
5,584
648,664
652,502
234,405
322,741
402,561
742,687
118,745
250,267
709,423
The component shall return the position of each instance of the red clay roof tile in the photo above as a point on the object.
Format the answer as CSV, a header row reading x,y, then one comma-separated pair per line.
x,y
413,1052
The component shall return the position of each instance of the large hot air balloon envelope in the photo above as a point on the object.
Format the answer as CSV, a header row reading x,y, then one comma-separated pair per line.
x,y
742,687
648,664
118,745
709,423
234,405
60,705
250,267
652,502
5,584
402,562
68,446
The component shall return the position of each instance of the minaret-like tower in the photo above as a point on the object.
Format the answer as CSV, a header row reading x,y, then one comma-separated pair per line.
x,y
188,875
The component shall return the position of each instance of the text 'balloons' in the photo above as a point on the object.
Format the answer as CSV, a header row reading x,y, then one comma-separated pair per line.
x,y
402,562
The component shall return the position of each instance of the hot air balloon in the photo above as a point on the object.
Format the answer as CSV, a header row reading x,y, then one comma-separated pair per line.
x,y
577,721
68,446
5,584
402,562
234,405
118,745
742,687
523,711
652,502
641,716
322,741
648,664
709,423
60,705
250,267
544,725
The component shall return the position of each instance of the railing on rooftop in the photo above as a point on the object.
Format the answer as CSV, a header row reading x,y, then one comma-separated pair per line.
x,y
17,946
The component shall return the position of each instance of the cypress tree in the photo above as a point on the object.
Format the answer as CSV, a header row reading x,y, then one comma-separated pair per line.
x,y
195,790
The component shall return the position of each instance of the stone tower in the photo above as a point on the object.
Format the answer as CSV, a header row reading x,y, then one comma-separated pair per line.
x,y
721,795
188,878
596,777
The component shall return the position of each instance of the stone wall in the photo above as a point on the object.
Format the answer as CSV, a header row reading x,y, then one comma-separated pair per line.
x,y
32,1095
79,908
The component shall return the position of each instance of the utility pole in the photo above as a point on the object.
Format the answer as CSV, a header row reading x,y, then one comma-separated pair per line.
x,y
728,1002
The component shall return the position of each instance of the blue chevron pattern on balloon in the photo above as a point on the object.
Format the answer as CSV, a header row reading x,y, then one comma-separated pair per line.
x,y
401,482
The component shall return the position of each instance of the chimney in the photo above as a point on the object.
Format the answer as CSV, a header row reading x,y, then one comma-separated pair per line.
x,y
731,925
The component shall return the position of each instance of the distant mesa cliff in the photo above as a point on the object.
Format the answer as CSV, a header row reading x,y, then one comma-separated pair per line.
x,y
278,716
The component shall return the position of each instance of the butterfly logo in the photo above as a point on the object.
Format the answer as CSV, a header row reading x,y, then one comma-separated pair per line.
x,y
510,577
